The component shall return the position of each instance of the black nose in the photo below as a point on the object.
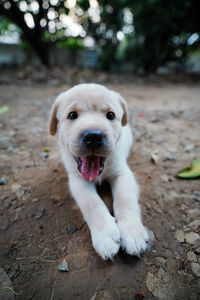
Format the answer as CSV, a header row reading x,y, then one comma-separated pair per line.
x,y
93,138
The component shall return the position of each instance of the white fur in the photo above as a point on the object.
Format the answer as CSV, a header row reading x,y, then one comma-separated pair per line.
x,y
108,233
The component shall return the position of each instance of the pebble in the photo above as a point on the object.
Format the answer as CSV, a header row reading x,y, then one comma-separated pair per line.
x,y
194,225
185,228
171,156
174,195
180,235
39,213
191,256
164,178
3,180
44,154
155,156
196,244
63,266
192,237
195,269
150,281
161,261
193,214
71,228
103,295
189,147
198,250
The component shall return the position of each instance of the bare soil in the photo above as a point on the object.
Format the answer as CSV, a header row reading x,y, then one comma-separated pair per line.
x,y
36,205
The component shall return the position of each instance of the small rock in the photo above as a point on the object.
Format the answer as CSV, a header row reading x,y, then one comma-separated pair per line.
x,y
39,213
10,149
193,213
177,255
185,228
3,180
195,269
161,261
63,266
20,193
194,225
180,235
196,244
174,195
192,237
198,250
12,134
71,228
191,256
170,156
151,281
152,237
158,140
164,178
44,155
189,148
155,156
103,295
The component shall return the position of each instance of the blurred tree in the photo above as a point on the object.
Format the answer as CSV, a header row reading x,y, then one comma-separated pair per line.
x,y
162,30
107,30
147,33
42,22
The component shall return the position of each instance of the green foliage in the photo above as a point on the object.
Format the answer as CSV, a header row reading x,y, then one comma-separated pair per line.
x,y
84,4
4,24
72,43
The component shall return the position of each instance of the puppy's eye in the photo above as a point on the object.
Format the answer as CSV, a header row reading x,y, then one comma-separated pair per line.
x,y
110,115
72,115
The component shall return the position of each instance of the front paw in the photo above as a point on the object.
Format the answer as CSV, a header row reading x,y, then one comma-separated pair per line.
x,y
106,241
134,236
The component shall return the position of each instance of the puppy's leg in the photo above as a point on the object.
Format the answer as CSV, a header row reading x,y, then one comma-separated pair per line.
x,y
104,231
127,212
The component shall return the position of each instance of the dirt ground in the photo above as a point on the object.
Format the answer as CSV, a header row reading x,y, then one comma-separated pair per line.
x,y
36,207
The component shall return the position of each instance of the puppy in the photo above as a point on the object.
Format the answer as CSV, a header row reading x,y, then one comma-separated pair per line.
x,y
95,139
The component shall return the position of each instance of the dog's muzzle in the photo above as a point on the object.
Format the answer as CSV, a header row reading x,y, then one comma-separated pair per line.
x,y
92,142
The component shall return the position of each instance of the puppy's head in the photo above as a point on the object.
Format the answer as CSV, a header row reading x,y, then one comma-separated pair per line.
x,y
89,120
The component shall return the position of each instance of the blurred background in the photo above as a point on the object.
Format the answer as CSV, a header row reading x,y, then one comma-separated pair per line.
x,y
133,36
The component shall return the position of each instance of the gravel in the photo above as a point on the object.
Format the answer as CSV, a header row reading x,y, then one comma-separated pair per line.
x,y
180,236
3,180
191,238
195,269
71,228
191,256
63,266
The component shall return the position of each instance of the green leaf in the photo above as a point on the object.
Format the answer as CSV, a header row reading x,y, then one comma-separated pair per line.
x,y
4,109
46,149
191,172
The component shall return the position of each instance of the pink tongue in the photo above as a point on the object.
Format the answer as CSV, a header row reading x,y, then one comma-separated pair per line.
x,y
90,167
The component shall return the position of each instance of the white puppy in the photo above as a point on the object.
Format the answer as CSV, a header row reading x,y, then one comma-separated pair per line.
x,y
95,140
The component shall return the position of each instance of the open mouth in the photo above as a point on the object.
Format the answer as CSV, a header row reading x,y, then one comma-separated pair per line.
x,y
90,166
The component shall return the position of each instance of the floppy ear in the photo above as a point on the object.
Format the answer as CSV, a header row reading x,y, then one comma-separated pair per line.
x,y
53,121
125,114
